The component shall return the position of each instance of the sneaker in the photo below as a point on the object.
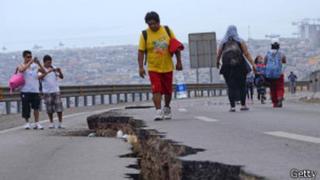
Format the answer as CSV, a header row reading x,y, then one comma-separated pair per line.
x,y
27,126
38,126
51,126
232,109
159,115
167,113
244,108
279,104
60,126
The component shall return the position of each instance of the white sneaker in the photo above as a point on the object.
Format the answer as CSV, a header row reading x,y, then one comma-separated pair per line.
x,y
60,126
167,113
51,126
27,126
38,126
159,115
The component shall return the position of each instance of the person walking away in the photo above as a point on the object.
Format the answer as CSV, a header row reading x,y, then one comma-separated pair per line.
x,y
234,69
260,80
30,96
154,46
51,91
293,82
274,73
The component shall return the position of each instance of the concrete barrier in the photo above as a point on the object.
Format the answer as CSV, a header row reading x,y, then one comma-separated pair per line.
x,y
315,84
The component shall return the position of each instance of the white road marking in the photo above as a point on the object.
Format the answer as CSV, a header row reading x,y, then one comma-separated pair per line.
x,y
182,110
206,119
64,117
298,137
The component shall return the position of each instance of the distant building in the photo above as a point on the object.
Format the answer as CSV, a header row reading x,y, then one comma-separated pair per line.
x,y
311,32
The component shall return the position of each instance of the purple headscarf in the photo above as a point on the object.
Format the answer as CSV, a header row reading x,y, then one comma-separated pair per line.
x,y
232,32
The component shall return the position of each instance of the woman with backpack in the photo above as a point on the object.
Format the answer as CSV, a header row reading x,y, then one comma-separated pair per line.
x,y
235,68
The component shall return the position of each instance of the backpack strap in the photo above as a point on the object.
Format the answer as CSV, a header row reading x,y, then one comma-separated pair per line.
x,y
231,39
168,31
145,36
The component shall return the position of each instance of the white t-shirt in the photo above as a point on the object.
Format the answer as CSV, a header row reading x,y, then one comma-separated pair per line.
x,y
50,83
31,80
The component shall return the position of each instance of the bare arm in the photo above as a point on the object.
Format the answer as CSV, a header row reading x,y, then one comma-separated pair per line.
x,y
247,54
24,67
140,58
61,76
44,74
142,72
179,62
41,69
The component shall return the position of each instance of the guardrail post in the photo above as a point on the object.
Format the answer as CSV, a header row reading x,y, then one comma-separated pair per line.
x,y
68,102
201,93
76,101
85,100
175,94
133,97
102,99
110,99
8,107
18,106
140,96
126,97
189,93
208,92
214,92
147,95
118,98
220,93
93,100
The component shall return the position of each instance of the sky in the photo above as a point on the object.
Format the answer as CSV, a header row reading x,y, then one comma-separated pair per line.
x,y
79,23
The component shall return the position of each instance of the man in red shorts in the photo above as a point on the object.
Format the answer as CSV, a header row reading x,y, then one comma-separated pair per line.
x,y
154,43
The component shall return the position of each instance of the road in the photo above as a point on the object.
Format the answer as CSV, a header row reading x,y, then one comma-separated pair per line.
x,y
54,154
267,142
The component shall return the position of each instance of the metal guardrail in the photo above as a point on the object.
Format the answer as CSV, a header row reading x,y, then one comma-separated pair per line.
x,y
315,81
76,96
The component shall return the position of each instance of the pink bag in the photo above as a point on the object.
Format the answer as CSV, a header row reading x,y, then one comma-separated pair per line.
x,y
16,81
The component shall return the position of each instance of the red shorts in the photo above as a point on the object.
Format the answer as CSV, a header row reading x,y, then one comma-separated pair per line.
x,y
161,82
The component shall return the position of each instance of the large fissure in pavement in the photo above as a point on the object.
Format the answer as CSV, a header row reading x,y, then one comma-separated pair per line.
x,y
157,157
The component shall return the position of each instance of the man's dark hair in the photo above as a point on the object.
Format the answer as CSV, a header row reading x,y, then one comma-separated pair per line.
x,y
256,60
47,58
152,16
275,45
26,52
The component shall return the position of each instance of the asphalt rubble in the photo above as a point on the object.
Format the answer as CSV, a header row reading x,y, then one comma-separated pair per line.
x,y
159,158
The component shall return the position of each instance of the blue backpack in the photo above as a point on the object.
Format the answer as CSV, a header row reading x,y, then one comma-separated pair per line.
x,y
274,65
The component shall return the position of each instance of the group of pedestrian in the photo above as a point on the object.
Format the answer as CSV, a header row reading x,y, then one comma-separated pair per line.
x,y
236,64
157,46
40,80
241,73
